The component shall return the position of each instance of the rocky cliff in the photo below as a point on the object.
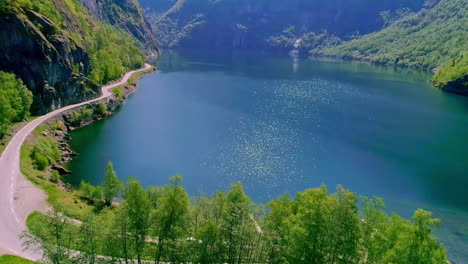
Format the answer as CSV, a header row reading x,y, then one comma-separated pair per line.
x,y
127,15
62,51
249,23
50,62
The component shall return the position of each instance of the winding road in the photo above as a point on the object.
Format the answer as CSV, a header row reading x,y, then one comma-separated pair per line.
x,y
18,196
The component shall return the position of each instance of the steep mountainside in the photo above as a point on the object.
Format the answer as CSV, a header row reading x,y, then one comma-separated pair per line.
x,y
127,15
250,23
61,52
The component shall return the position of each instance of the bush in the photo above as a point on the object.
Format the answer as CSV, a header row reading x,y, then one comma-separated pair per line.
x,y
45,153
118,92
87,190
77,117
97,193
55,176
15,101
101,109
453,70
58,125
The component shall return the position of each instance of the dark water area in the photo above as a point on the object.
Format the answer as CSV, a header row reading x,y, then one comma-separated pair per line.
x,y
279,124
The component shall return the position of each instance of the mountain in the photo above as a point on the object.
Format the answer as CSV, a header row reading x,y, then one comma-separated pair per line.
x,y
251,23
62,51
125,14
424,40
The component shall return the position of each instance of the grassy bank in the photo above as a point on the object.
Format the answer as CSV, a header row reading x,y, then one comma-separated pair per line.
x,y
9,259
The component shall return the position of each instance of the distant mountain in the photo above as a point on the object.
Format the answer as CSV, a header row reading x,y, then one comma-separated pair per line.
x,y
252,23
63,50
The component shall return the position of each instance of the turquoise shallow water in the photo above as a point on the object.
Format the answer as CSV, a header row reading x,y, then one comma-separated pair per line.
x,y
282,125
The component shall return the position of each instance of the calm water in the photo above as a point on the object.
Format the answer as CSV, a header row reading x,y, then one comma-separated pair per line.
x,y
282,125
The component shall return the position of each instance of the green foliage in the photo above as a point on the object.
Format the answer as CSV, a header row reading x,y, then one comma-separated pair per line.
x,y
77,117
453,70
118,92
90,192
101,109
97,193
58,125
9,259
171,221
424,40
138,208
55,176
13,5
53,233
162,225
111,185
284,41
15,101
112,53
45,153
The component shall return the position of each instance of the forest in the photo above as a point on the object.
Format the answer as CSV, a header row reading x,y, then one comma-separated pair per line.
x,y
424,40
164,224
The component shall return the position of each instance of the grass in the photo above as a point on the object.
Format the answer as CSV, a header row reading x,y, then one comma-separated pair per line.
x,y
69,200
9,259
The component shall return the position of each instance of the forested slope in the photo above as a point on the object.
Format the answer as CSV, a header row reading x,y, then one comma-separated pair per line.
x,y
425,40
62,53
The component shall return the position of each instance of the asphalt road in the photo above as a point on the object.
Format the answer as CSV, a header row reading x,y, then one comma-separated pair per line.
x,y
18,196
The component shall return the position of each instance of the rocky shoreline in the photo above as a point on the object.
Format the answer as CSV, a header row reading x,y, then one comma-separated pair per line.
x,y
61,125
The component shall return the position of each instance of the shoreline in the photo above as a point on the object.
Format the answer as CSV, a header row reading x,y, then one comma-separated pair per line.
x,y
23,194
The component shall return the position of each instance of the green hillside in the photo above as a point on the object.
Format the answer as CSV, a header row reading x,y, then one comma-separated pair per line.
x,y
425,40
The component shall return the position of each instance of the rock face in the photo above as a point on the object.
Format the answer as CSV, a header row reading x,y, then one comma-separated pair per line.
x,y
459,86
127,15
50,53
247,24
45,58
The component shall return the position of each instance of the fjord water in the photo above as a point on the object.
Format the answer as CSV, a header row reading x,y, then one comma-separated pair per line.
x,y
279,124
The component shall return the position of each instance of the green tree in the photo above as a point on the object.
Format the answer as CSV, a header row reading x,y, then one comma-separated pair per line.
x,y
138,208
89,239
373,226
276,228
346,227
53,234
87,190
111,185
417,245
171,222
237,227
15,101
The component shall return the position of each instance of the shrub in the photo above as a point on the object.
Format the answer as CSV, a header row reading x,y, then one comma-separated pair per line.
x,y
77,117
45,153
118,92
15,101
87,190
97,193
101,109
58,125
55,176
